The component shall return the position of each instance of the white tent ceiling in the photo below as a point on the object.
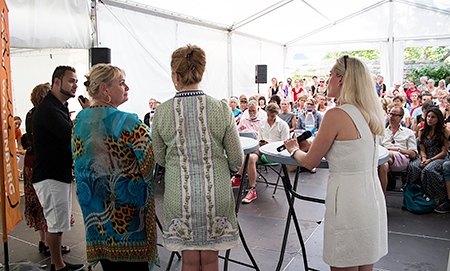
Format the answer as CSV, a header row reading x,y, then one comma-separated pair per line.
x,y
299,22
235,34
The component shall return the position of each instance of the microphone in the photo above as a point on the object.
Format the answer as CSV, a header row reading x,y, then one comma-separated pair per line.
x,y
306,134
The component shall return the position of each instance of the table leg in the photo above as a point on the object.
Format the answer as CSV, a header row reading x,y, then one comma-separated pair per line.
x,y
291,215
241,234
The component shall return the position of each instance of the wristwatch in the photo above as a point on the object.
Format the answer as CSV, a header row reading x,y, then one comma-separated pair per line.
x,y
294,151
398,149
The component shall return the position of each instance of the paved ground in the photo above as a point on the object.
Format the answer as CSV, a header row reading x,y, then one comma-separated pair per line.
x,y
416,242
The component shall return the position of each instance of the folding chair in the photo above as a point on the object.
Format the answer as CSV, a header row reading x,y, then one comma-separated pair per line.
x,y
263,166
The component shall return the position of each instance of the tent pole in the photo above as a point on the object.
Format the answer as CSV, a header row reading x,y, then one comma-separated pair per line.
x,y
391,44
94,39
230,63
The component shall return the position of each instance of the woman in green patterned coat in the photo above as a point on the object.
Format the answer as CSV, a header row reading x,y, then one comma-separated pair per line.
x,y
195,138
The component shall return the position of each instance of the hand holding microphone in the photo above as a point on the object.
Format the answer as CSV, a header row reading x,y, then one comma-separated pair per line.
x,y
307,134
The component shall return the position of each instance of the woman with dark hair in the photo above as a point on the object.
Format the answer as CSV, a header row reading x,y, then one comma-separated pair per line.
x,y
196,139
433,146
275,99
262,102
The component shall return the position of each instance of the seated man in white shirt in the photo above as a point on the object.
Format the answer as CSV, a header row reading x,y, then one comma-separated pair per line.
x,y
401,144
270,129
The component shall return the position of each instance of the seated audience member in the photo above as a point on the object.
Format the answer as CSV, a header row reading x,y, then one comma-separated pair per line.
x,y
415,102
270,129
386,104
425,97
330,102
418,121
390,92
442,100
433,144
432,88
262,102
299,106
243,103
322,106
441,85
401,144
410,89
275,99
245,114
310,104
287,116
236,112
148,118
423,84
253,98
443,190
18,135
447,113
398,101
380,86
251,123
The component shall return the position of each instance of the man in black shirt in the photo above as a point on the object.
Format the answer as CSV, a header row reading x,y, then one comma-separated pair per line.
x,y
52,171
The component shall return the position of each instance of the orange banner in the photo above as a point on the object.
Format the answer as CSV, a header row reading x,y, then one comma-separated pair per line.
x,y
9,191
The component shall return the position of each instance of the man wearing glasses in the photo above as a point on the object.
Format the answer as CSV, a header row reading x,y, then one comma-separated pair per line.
x,y
401,144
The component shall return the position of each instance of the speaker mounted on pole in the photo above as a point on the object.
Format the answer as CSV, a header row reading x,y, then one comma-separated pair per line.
x,y
261,74
99,55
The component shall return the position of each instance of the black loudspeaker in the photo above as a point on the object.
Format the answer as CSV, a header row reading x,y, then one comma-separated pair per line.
x,y
100,55
261,74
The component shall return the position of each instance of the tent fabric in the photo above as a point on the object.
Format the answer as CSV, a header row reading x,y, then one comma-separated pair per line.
x,y
236,35
49,24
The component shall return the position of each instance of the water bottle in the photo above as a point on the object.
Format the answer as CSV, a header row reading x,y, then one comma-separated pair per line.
x,y
309,122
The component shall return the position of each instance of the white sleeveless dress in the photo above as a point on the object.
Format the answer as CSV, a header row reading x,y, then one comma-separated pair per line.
x,y
355,229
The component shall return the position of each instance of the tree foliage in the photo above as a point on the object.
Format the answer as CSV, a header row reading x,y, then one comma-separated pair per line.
x,y
437,54
363,54
434,53
436,73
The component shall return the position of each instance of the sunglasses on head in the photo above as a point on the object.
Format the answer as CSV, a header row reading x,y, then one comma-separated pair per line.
x,y
345,61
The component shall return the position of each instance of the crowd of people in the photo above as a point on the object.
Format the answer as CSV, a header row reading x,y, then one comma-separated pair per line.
x,y
111,156
417,132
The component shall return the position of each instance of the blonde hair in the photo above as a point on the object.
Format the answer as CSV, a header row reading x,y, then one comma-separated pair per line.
x,y
101,74
358,89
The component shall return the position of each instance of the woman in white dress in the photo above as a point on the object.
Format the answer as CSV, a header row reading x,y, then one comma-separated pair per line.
x,y
355,229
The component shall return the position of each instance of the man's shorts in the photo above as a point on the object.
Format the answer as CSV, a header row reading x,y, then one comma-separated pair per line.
x,y
56,200
401,162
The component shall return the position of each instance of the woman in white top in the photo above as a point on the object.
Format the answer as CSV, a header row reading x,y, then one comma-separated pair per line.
x,y
355,228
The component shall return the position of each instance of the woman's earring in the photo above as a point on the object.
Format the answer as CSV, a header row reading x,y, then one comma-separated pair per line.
x,y
109,99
